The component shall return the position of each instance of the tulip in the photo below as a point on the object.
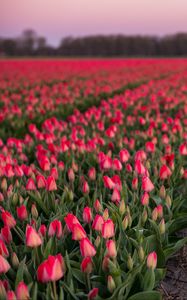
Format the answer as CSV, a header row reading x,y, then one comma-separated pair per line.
x,y
152,260
111,248
98,223
108,183
6,234
51,184
22,292
116,197
8,219
92,173
78,232
11,295
32,237
85,187
3,249
87,214
97,206
147,185
30,186
55,228
4,265
87,265
116,164
22,212
70,220
41,182
124,155
108,229
111,284
145,199
86,248
93,294
165,172
51,269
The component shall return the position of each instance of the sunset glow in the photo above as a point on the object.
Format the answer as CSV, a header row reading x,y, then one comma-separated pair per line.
x,y
58,18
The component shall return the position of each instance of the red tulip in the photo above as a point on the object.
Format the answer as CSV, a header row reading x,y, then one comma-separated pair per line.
x,y
30,186
98,223
32,237
87,265
78,232
55,228
86,248
3,249
51,269
108,229
124,155
51,184
4,265
22,292
8,219
111,248
22,212
165,172
152,260
147,185
87,214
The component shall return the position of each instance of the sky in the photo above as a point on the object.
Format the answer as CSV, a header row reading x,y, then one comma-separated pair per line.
x,y
56,19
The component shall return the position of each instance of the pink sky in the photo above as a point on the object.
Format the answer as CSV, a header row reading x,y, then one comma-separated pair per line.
x,y
58,18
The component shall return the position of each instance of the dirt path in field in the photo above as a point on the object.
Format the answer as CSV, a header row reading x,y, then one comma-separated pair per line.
x,y
174,286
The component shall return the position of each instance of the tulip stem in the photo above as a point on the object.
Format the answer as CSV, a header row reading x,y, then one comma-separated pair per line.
x,y
54,290
88,281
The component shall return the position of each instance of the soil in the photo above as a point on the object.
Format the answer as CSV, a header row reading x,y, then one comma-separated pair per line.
x,y
174,286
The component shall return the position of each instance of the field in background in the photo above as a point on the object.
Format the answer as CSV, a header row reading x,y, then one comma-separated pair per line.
x,y
93,174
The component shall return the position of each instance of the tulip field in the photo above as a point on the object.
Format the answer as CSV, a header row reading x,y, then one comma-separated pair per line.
x,y
93,177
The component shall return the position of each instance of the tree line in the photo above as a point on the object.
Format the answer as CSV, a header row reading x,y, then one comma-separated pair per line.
x,y
30,44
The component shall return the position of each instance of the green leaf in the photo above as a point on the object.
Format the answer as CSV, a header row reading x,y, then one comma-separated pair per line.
x,y
78,275
178,224
169,251
149,280
20,272
154,295
47,250
35,291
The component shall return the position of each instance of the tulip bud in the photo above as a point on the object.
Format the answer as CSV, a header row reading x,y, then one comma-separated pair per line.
x,y
129,220
105,264
154,214
162,226
97,206
130,263
144,216
97,241
22,291
11,295
111,284
111,248
122,207
15,260
15,199
152,260
125,222
87,265
2,291
141,253
105,214
168,201
34,211
93,294
162,192
87,215
4,185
